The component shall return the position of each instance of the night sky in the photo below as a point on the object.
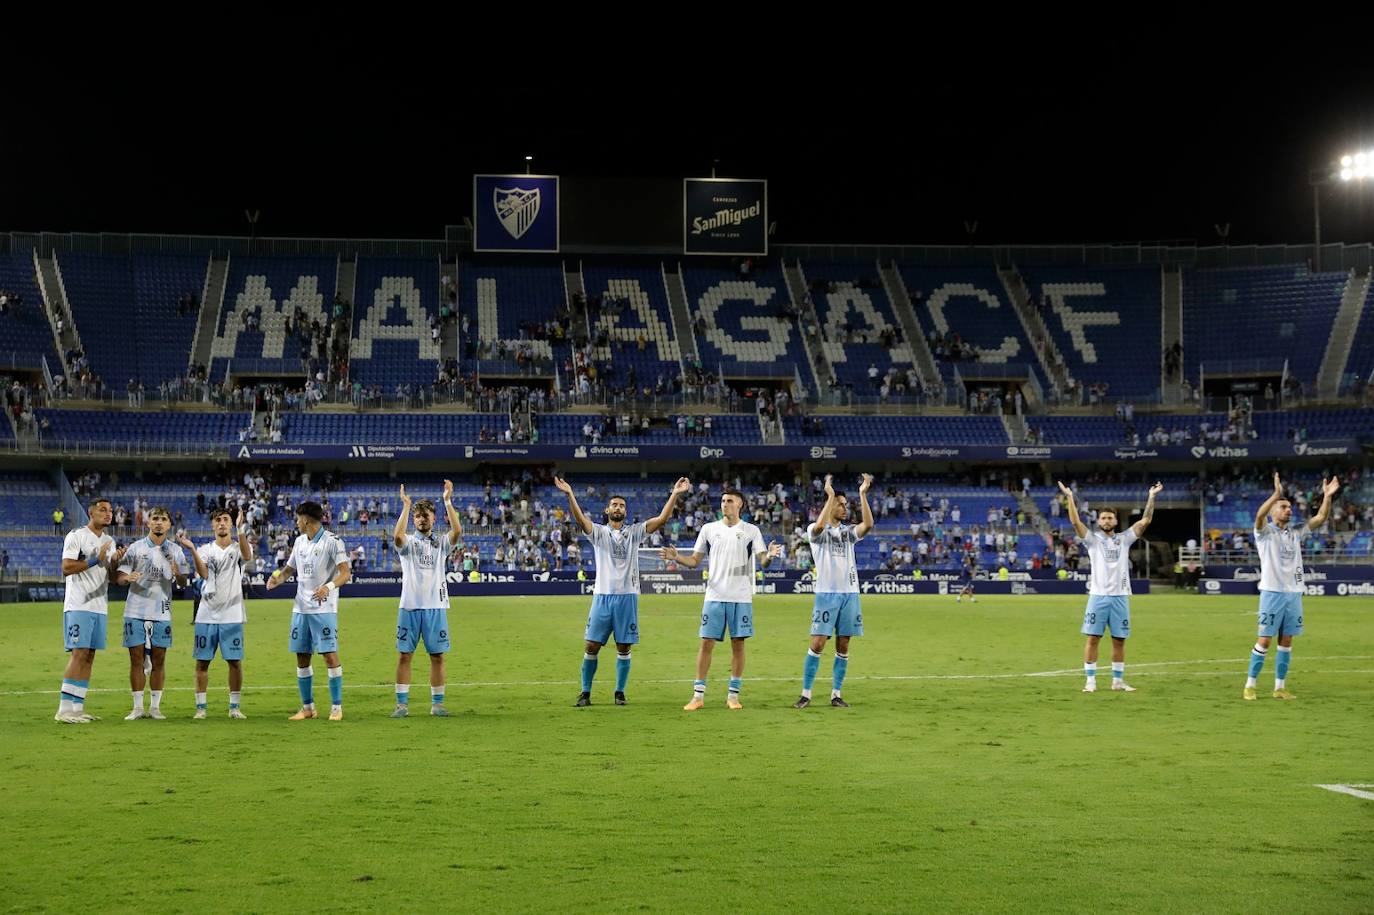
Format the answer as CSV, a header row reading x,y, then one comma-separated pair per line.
x,y
1155,136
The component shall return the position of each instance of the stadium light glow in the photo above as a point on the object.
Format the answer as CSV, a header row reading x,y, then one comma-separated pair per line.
x,y
1356,165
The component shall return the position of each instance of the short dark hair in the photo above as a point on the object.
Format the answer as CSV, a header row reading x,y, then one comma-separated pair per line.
x,y
733,492
311,510
220,511
159,510
96,501
621,498
1111,511
424,505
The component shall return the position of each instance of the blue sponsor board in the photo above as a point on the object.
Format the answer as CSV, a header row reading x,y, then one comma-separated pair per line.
x,y
894,452
1312,574
1328,588
725,216
515,213
388,584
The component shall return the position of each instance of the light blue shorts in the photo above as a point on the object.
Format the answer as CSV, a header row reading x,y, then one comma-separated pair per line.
x,y
227,637
314,633
1104,612
836,614
1280,613
717,616
431,625
613,613
83,629
141,632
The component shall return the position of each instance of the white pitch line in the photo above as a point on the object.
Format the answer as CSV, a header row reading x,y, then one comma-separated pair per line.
x,y
1350,790
1078,672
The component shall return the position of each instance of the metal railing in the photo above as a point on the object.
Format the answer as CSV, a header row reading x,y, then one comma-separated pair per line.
x,y
13,360
1341,555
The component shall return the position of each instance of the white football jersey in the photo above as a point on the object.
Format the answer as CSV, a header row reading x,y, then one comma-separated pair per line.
x,y
833,551
316,562
730,552
150,598
1280,554
1110,575
221,595
87,591
423,582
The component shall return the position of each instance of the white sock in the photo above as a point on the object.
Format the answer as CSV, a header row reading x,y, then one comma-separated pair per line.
x,y
1251,682
1118,667
200,700
138,701
157,698
1278,684
234,699
1090,670
64,706
806,694
834,694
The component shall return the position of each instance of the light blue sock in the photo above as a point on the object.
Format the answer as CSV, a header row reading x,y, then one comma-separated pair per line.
x,y
1090,669
735,685
622,671
403,694
699,688
839,670
1256,661
305,679
809,669
1281,661
336,686
436,695
1118,670
588,671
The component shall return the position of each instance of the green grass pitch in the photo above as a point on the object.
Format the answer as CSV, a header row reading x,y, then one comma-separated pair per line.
x,y
971,773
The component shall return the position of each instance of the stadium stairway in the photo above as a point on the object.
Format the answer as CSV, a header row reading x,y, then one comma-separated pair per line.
x,y
797,289
448,334
346,284
682,314
1171,329
1049,357
1342,334
900,298
55,302
211,301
